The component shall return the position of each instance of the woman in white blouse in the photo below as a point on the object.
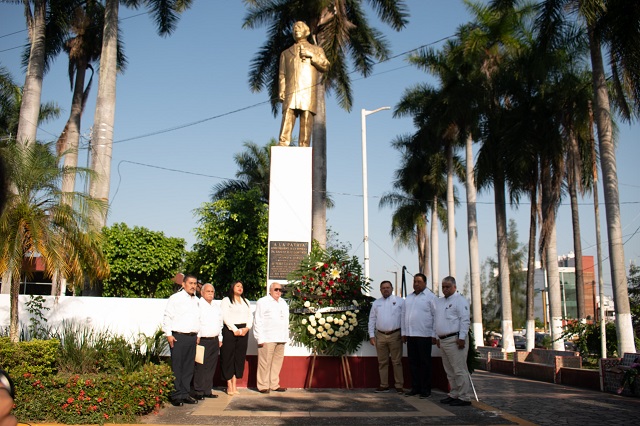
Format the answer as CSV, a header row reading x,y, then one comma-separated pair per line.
x,y
237,318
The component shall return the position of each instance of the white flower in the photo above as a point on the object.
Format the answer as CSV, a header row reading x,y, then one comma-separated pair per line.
x,y
327,337
319,335
313,323
343,317
322,321
346,333
319,264
329,319
338,334
312,318
340,322
334,273
349,313
350,329
321,329
357,310
334,339
311,330
325,334
355,302
304,321
319,292
336,320
307,304
318,315
330,331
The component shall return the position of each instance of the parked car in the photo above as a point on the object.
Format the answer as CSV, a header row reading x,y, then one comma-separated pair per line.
x,y
519,341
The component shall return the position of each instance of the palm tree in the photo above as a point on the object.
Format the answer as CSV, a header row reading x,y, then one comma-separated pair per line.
x,y
37,222
341,28
254,166
165,14
83,48
611,24
418,178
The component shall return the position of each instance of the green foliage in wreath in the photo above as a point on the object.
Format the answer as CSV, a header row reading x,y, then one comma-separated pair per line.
x,y
329,308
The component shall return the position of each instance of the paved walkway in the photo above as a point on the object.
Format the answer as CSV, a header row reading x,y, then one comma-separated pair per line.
x,y
502,400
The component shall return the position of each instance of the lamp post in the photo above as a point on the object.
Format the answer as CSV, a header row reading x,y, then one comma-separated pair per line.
x,y
365,201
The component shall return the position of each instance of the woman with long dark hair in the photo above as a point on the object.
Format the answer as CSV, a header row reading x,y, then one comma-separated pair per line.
x,y
237,318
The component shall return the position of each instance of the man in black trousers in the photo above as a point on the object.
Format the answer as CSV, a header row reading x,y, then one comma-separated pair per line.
x,y
180,325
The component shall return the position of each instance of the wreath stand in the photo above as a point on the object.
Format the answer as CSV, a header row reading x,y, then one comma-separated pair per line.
x,y
344,364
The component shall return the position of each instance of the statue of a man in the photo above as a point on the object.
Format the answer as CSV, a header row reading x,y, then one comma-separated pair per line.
x,y
300,68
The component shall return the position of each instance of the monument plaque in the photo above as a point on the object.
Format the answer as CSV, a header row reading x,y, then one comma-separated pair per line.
x,y
285,257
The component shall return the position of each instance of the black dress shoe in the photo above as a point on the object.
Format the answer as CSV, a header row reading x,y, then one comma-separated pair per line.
x,y
176,403
210,395
264,391
447,400
459,403
280,390
189,400
411,393
199,397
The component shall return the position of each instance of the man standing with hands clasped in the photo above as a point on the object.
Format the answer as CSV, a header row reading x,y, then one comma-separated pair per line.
x,y
180,324
452,328
417,331
271,330
209,338
385,318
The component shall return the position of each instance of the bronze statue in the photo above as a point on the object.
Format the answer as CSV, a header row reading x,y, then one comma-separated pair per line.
x,y
300,68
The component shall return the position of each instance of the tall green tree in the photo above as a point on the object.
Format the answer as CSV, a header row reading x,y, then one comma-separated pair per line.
x,y
611,25
142,262
36,222
232,243
165,14
83,44
342,29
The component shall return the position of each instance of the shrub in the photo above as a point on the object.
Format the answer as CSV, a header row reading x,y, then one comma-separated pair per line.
x,y
33,357
92,398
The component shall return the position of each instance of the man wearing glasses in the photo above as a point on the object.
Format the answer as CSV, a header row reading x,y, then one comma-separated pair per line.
x,y
271,330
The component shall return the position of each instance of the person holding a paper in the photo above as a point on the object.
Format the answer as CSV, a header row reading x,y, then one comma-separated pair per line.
x,y
208,339
180,324
271,330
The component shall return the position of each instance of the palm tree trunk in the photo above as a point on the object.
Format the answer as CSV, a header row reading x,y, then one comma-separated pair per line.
x,y
319,178
103,123
551,257
451,219
422,240
70,139
503,264
32,91
435,259
573,177
624,326
474,256
531,269
14,323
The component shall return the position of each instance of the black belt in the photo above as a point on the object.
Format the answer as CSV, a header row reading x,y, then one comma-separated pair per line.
x,y
389,332
209,338
448,335
185,334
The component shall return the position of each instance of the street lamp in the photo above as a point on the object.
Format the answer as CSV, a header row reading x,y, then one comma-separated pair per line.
x,y
365,202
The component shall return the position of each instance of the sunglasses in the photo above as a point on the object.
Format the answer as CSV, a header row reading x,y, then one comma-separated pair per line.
x,y
278,289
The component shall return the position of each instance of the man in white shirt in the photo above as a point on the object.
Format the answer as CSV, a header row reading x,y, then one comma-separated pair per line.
x,y
208,336
417,332
385,318
452,328
271,330
180,324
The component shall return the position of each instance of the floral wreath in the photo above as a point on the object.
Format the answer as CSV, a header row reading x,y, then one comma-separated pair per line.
x,y
328,305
